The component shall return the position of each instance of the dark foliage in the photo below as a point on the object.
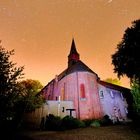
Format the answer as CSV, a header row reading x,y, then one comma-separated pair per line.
x,y
126,59
15,97
52,122
88,122
30,97
9,90
105,121
56,123
69,122
135,90
92,122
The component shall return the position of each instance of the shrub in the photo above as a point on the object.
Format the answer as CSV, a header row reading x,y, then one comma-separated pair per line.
x,y
95,123
106,121
42,123
52,122
69,122
88,122
92,123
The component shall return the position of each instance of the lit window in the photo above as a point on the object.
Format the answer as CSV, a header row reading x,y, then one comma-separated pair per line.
x,y
111,94
101,94
126,111
63,92
82,91
122,96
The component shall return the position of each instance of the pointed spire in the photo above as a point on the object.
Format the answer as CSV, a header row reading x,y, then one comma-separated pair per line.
x,y
73,48
73,57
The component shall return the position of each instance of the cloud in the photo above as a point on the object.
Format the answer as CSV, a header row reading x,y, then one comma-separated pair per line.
x,y
109,1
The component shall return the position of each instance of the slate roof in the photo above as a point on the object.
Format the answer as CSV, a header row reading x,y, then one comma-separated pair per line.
x,y
113,86
77,67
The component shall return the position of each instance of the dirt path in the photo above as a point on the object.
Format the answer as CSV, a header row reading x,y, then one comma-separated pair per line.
x,y
118,132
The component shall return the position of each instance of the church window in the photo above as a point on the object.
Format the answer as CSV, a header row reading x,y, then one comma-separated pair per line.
x,y
111,94
122,96
126,111
101,94
63,92
82,91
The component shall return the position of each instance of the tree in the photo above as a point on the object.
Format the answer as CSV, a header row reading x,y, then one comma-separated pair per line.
x,y
30,98
113,81
126,59
15,97
135,90
9,91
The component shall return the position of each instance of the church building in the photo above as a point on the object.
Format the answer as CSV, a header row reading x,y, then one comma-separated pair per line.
x,y
78,91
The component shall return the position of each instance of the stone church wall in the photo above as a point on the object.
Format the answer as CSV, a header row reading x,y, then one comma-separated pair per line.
x,y
113,103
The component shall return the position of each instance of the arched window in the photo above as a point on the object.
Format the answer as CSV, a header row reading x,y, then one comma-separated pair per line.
x,y
101,94
111,94
63,92
82,91
122,96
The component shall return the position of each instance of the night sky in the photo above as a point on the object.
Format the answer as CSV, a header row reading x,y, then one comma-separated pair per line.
x,y
41,33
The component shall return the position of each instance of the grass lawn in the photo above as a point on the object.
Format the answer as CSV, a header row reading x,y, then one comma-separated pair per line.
x,y
116,132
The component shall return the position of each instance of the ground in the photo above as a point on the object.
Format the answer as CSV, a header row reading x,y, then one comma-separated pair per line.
x,y
117,132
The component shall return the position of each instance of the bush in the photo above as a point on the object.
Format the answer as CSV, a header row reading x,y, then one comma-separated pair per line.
x,y
92,123
95,123
52,122
69,122
88,122
106,121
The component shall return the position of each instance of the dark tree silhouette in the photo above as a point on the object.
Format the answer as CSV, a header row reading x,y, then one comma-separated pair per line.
x,y
126,59
9,91
135,90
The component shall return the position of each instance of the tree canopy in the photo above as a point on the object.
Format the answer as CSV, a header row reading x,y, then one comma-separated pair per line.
x,y
113,81
30,97
9,76
135,90
16,96
126,59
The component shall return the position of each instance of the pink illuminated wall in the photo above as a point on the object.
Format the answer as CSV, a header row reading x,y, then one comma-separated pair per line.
x,y
82,89
80,85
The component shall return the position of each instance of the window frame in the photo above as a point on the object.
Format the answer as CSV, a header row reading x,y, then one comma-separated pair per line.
x,y
101,94
82,92
112,94
122,96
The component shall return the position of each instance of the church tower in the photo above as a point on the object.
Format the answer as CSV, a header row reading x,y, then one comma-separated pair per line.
x,y
73,57
79,89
